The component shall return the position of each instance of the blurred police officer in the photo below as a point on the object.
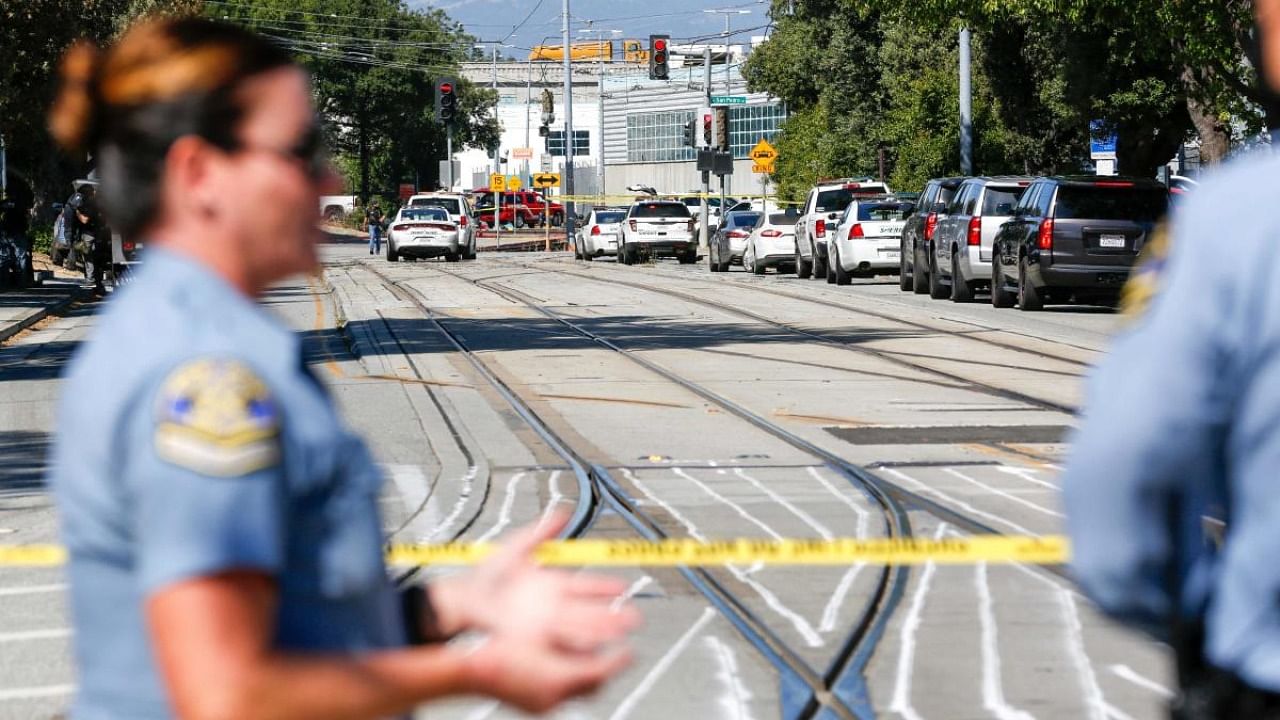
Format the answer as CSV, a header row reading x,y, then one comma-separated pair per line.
x,y
1183,422
226,549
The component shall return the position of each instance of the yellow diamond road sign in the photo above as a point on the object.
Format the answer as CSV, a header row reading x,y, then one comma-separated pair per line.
x,y
497,182
763,153
513,183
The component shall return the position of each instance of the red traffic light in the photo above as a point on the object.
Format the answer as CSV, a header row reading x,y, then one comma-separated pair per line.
x,y
446,87
660,45
660,58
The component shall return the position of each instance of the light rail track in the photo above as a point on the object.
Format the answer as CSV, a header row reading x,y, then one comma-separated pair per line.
x,y
836,691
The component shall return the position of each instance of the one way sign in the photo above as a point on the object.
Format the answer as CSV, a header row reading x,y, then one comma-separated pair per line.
x,y
546,180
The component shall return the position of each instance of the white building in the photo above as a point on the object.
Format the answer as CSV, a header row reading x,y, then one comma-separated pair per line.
x,y
636,124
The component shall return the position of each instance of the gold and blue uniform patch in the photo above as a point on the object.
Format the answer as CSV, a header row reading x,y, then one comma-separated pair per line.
x,y
216,417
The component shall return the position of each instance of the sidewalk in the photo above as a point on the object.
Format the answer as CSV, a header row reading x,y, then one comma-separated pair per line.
x,y
20,309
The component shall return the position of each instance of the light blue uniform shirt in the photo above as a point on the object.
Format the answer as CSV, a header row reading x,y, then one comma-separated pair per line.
x,y
1184,415
192,440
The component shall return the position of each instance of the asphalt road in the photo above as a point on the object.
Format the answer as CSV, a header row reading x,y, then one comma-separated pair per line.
x,y
962,407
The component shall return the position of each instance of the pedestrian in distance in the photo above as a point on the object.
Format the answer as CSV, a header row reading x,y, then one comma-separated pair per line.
x,y
373,222
1181,432
225,547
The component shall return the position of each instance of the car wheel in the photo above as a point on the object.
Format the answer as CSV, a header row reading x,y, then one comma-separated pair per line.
x,y
1029,299
392,255
937,290
961,291
453,256
820,269
688,257
842,276
829,268
919,274
519,220
804,269
906,281
1000,296
757,267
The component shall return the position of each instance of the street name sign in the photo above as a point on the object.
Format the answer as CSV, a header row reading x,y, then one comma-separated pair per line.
x,y
546,180
728,99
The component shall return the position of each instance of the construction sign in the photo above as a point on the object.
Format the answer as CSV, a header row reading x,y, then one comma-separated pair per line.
x,y
764,156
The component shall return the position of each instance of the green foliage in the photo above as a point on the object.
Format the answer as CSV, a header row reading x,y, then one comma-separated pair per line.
x,y
41,238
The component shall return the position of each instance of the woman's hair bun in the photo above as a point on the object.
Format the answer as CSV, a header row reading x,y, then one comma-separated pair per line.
x,y
75,110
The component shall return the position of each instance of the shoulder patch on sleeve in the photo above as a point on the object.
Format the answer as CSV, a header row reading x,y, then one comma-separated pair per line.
x,y
216,417
1146,278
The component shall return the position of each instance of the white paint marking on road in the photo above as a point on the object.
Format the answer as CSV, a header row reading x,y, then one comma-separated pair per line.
x,y
804,517
446,526
1092,692
960,503
901,701
1128,674
553,483
801,625
1115,713
631,592
33,693
1006,495
51,634
33,589
1027,474
726,501
830,614
664,663
504,513
736,699
992,687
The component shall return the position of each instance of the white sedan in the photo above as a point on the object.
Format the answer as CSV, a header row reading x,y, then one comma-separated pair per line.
x,y
424,232
772,243
601,233
868,239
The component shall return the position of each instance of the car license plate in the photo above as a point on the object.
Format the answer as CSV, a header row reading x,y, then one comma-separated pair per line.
x,y
1111,241
891,254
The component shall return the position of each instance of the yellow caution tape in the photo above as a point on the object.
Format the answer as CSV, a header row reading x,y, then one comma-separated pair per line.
x,y
997,549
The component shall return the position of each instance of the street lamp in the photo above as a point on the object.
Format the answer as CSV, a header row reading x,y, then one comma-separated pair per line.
x,y
727,13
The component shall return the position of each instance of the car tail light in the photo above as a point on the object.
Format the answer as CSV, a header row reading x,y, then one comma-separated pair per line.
x,y
399,228
127,246
737,234
1045,240
821,228
462,221
856,231
692,224
595,229
770,233
1113,184
632,223
975,231
930,225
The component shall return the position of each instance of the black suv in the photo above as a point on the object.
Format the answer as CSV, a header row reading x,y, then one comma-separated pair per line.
x,y
918,233
1074,237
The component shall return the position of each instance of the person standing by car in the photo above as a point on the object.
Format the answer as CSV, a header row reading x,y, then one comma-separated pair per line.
x,y
225,545
1182,424
373,222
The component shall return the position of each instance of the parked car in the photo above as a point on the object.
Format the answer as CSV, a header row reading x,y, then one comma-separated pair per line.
x,y
868,239
655,228
539,205
918,233
822,210
599,234
334,207
460,212
513,212
772,242
730,240
960,257
425,231
714,213
1074,238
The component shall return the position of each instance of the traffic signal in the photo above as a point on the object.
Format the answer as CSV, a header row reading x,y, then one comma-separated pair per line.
x,y
706,127
659,69
722,129
691,134
446,100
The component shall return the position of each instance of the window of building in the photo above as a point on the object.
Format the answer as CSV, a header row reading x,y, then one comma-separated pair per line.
x,y
750,123
658,137
581,143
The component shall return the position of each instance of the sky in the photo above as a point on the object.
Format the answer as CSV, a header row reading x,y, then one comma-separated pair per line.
x,y
525,23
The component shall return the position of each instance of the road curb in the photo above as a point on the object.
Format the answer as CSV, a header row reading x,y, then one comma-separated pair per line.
x,y
38,314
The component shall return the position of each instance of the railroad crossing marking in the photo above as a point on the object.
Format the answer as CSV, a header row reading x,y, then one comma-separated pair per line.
x,y
546,180
497,182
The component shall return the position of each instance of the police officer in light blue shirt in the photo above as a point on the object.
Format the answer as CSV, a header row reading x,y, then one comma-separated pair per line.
x,y
225,545
1182,423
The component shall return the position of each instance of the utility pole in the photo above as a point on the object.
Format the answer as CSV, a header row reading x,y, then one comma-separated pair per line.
x,y
705,231
966,104
528,100
600,139
497,161
569,211
4,169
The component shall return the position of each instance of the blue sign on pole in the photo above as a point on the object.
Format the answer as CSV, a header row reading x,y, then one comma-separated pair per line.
x,y
1102,142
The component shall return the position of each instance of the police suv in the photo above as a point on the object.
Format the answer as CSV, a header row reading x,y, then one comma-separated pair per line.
x,y
656,228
